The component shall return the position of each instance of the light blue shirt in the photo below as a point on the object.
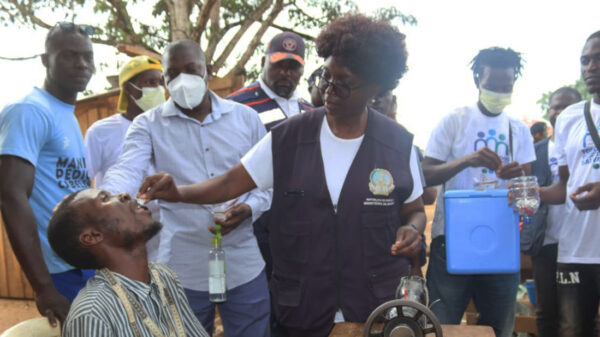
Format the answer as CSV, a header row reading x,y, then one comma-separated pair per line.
x,y
44,131
193,151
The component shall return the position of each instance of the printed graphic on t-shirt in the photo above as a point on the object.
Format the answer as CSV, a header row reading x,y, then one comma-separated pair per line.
x,y
553,162
495,142
589,153
72,173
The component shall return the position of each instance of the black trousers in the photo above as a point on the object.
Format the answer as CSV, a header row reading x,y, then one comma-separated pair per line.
x,y
578,295
544,275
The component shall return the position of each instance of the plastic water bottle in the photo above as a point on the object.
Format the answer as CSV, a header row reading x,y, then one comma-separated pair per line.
x,y
217,291
526,197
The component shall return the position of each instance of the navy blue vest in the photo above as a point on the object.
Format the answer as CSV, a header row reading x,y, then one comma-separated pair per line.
x,y
322,260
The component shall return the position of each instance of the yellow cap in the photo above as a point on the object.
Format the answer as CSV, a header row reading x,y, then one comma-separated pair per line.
x,y
136,65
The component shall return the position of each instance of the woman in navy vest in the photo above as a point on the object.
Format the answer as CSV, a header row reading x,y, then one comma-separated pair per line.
x,y
346,215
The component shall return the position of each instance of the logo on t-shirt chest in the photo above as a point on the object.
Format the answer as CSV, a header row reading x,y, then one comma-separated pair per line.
x,y
493,140
589,153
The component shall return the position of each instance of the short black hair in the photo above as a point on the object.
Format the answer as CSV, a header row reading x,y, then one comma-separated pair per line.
x,y
183,44
538,127
66,224
372,49
595,35
566,90
496,57
55,32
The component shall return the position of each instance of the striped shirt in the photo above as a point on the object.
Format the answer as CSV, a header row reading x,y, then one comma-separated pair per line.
x,y
97,311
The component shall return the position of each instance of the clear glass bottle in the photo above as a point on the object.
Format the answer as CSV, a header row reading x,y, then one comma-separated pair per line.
x,y
217,290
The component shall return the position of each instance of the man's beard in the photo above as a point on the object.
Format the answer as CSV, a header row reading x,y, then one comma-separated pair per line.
x,y
150,231
130,237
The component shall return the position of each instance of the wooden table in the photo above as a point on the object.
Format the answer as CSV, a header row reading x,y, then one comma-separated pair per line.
x,y
357,330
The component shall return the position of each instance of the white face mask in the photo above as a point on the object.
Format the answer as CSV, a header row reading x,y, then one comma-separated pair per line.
x,y
187,90
151,97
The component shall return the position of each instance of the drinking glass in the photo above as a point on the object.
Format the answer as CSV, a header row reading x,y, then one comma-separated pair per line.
x,y
219,211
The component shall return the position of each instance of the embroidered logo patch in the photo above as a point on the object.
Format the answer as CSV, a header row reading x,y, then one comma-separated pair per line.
x,y
381,182
289,44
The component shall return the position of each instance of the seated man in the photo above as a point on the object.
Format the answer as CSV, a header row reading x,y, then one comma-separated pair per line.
x,y
128,296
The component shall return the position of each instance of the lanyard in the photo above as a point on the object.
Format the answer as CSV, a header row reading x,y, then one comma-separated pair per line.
x,y
131,305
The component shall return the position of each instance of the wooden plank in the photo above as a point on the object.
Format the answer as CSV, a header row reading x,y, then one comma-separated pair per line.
x,y
137,51
104,112
357,330
15,283
467,331
522,323
83,122
525,324
3,270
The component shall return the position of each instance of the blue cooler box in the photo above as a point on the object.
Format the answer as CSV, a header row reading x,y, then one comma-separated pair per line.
x,y
482,232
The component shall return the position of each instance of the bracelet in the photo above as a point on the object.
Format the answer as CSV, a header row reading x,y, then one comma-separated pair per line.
x,y
414,226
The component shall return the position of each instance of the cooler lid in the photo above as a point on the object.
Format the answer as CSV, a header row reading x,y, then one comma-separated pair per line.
x,y
498,193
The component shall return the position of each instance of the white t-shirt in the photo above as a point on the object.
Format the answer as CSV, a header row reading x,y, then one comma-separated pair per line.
x,y
580,233
103,145
289,105
337,154
465,131
556,213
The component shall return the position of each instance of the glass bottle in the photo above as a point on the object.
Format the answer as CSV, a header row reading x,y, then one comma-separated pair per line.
x,y
217,291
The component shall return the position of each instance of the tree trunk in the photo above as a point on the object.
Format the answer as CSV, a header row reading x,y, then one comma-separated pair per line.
x,y
180,19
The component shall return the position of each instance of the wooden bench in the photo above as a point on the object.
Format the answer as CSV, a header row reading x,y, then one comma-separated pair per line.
x,y
357,330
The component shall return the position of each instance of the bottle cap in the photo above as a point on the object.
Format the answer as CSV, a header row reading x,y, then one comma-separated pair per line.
x,y
216,240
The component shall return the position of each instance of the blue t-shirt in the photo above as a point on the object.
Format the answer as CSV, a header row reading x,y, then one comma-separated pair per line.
x,y
44,131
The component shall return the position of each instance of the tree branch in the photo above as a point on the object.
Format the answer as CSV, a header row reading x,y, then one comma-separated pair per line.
x,y
214,36
19,58
214,39
203,18
239,67
308,15
110,41
123,21
302,35
27,13
255,16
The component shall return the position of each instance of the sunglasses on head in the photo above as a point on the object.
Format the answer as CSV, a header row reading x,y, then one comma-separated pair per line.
x,y
71,27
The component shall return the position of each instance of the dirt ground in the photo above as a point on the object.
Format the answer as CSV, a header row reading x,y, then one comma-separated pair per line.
x,y
15,311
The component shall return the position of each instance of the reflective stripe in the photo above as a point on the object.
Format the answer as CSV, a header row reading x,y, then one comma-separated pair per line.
x,y
271,116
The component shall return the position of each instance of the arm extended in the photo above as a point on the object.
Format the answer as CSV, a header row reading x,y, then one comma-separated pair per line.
x,y
227,186
17,182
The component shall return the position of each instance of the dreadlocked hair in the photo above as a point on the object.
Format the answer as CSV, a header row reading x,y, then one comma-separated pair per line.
x,y
496,57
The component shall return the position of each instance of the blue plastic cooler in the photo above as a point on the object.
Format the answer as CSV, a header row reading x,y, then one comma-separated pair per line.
x,y
482,232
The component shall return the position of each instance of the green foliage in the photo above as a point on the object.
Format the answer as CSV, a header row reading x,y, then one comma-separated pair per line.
x,y
544,101
149,24
392,13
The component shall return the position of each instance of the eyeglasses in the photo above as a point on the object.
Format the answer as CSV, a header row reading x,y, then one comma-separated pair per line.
x,y
341,90
71,27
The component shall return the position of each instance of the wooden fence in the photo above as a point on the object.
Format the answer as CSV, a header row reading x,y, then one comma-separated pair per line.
x,y
13,283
